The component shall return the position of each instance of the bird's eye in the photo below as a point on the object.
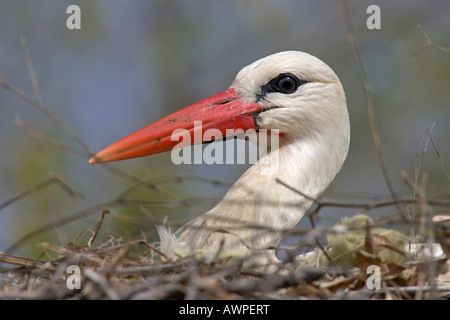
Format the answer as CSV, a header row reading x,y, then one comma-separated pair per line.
x,y
287,84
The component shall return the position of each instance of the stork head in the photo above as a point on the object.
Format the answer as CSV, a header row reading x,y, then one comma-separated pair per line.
x,y
291,91
298,93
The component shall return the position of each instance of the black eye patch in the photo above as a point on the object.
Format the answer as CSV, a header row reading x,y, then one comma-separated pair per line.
x,y
285,83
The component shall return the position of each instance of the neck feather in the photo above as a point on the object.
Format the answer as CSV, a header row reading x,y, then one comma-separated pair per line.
x,y
257,208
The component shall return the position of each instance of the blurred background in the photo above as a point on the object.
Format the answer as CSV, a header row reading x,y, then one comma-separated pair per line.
x,y
135,62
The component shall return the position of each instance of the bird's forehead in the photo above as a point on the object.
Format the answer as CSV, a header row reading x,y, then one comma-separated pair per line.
x,y
303,65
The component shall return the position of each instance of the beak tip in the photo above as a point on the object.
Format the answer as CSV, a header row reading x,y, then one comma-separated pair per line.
x,y
93,160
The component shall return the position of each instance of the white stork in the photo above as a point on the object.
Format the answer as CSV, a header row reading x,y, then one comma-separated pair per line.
x,y
291,91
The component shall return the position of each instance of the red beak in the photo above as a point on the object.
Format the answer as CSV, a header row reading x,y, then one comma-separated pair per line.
x,y
222,111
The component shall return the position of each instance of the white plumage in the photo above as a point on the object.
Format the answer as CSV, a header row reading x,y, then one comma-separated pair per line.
x,y
315,135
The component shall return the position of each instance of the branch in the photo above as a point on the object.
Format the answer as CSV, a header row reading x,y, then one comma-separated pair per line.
x,y
54,179
369,101
429,44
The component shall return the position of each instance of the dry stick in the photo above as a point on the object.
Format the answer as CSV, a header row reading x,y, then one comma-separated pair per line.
x,y
31,69
426,229
417,167
54,179
155,249
65,220
370,103
26,192
437,152
422,199
97,229
365,206
50,226
21,261
39,136
46,111
160,180
430,44
101,283
59,181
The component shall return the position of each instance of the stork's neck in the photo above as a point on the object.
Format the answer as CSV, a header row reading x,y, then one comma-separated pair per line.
x,y
306,164
257,200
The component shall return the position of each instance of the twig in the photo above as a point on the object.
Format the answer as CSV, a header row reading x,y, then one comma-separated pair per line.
x,y
97,229
31,69
54,179
21,261
50,226
101,283
159,180
426,230
39,136
47,112
366,206
304,195
27,192
155,249
429,44
65,187
437,152
370,103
